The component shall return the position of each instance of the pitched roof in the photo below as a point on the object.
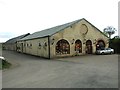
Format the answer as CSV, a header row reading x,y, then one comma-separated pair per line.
x,y
13,40
53,30
50,31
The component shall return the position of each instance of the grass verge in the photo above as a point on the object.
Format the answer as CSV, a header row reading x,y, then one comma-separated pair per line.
x,y
4,64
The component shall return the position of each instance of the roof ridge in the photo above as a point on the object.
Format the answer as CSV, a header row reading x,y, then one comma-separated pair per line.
x,y
50,31
18,37
57,26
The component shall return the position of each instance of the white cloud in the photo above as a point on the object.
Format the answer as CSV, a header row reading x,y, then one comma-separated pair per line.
x,y
6,35
23,16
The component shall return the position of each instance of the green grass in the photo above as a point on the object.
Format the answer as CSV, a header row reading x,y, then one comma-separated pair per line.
x,y
4,64
0,65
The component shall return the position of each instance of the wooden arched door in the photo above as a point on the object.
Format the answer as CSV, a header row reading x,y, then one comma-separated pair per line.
x,y
78,46
89,47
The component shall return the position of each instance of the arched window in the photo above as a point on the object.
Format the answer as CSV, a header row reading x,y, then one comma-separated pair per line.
x,y
100,45
78,46
62,47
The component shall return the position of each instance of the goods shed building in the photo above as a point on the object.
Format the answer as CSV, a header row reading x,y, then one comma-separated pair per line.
x,y
75,38
11,44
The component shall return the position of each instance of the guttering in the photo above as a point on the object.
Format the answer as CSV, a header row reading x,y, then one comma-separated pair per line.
x,y
49,47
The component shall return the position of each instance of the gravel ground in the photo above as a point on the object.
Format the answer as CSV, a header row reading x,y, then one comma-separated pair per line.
x,y
89,71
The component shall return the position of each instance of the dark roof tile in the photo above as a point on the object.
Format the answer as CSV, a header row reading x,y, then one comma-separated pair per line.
x,y
53,30
13,40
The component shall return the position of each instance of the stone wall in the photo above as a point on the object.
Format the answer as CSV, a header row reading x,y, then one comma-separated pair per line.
x,y
75,32
38,47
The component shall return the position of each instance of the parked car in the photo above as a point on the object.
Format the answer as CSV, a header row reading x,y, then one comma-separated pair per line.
x,y
105,51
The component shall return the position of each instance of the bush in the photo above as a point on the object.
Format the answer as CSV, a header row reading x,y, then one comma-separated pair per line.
x,y
115,44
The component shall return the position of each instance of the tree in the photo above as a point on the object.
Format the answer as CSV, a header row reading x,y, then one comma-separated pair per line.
x,y
109,31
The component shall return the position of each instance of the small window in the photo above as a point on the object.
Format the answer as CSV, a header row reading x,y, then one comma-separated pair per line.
x,y
45,44
39,44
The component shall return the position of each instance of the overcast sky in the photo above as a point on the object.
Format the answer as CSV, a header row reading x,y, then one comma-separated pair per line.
x,y
19,17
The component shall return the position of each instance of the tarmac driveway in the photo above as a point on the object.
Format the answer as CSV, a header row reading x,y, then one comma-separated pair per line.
x,y
90,71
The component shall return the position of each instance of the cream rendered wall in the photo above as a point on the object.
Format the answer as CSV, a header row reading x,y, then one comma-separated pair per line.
x,y
13,47
7,46
43,51
94,35
24,46
10,46
35,49
74,32
19,46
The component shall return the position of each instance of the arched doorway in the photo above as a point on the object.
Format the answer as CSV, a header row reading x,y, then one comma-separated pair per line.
x,y
89,47
62,47
100,45
78,46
